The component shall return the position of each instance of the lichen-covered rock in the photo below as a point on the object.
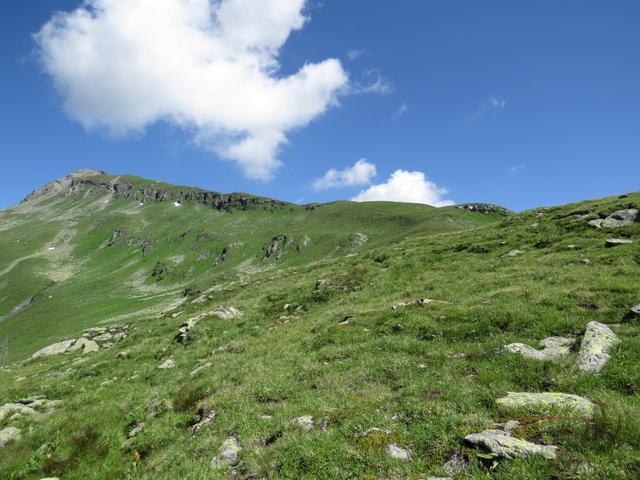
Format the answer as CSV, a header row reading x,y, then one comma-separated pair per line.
x,y
227,454
595,347
55,349
548,400
553,348
504,445
9,434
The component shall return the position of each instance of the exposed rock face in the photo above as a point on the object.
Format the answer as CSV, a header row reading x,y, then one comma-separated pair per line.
x,y
98,183
504,445
277,247
547,401
595,347
9,434
484,208
554,347
228,453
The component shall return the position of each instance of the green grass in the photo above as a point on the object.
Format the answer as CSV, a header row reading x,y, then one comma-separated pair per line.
x,y
394,370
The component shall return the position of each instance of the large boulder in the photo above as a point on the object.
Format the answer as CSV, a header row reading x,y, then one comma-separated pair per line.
x,y
55,349
622,218
596,344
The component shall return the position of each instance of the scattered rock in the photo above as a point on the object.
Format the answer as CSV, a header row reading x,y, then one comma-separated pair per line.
x,y
223,312
548,400
597,223
594,350
168,363
503,444
228,453
394,451
419,302
554,347
512,253
305,422
132,434
266,417
614,242
636,310
9,434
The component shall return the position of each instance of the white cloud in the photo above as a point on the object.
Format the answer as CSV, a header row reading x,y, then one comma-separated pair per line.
x,y
354,54
360,173
515,169
372,82
208,66
489,106
402,109
405,186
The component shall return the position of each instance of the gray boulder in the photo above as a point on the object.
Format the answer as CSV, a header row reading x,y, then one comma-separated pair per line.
x,y
596,344
622,218
55,349
512,253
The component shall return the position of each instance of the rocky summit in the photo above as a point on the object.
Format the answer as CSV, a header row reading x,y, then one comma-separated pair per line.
x,y
153,331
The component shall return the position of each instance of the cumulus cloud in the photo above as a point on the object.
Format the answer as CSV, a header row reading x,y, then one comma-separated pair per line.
x,y
405,186
360,173
208,66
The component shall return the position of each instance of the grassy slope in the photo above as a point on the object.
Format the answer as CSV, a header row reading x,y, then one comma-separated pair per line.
x,y
360,375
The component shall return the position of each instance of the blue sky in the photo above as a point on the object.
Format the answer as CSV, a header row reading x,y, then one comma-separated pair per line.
x,y
509,102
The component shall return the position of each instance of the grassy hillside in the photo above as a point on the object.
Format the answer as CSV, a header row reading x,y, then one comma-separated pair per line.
x,y
318,337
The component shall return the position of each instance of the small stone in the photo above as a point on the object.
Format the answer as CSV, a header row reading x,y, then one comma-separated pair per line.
x,y
305,422
228,453
266,418
597,223
504,445
394,451
9,434
202,418
456,463
596,344
636,310
548,400
614,242
200,368
512,253
167,364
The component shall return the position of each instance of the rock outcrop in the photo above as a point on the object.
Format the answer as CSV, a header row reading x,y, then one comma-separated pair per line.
x,y
484,208
224,312
92,340
100,183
